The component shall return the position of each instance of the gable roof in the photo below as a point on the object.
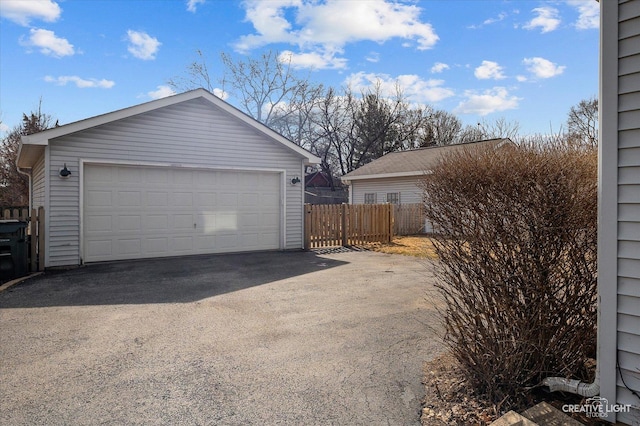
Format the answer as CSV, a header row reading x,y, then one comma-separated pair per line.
x,y
32,146
415,162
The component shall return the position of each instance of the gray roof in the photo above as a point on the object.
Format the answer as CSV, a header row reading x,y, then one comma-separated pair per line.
x,y
416,161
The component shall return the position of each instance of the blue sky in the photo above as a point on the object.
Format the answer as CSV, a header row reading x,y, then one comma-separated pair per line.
x,y
525,61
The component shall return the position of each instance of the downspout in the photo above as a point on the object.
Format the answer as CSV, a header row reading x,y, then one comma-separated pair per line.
x,y
560,384
28,174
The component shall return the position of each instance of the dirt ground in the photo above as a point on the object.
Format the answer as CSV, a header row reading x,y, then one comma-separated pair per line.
x,y
411,245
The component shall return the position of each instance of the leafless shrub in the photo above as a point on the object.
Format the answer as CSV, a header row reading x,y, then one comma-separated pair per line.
x,y
517,246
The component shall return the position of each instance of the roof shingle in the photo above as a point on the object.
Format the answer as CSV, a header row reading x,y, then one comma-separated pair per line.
x,y
415,161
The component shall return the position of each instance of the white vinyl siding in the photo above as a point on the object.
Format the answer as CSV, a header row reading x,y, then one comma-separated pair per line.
x,y
38,184
406,187
619,232
193,133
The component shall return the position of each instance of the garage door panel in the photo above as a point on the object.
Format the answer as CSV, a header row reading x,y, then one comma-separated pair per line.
x,y
227,242
156,222
182,244
158,177
100,248
206,243
96,198
183,177
129,199
182,222
184,200
100,174
136,212
206,199
130,175
100,223
157,199
129,246
156,246
249,220
129,223
226,199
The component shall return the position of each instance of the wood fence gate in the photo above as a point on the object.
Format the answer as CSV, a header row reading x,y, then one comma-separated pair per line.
x,y
347,224
35,231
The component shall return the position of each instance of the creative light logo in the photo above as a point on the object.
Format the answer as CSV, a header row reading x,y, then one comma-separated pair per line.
x,y
596,407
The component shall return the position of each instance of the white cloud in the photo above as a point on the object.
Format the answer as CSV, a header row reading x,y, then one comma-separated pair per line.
x,y
23,11
313,60
220,93
412,86
487,102
81,83
142,45
438,67
192,5
48,43
161,92
521,78
373,57
322,28
489,70
543,68
501,17
589,14
3,128
547,19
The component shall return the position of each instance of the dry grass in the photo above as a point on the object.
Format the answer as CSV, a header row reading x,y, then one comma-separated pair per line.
x,y
412,245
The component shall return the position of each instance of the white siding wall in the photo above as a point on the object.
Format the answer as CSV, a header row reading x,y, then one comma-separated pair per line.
x,y
620,169
191,133
408,188
38,184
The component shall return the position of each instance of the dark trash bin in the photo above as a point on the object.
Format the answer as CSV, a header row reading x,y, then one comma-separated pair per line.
x,y
14,249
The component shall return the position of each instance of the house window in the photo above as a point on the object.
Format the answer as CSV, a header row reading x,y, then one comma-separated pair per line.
x,y
370,198
393,197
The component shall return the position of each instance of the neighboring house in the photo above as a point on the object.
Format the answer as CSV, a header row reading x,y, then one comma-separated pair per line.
x,y
395,177
619,207
323,189
186,174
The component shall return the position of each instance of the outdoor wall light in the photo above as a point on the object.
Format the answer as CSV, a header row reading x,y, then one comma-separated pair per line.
x,y
295,180
64,172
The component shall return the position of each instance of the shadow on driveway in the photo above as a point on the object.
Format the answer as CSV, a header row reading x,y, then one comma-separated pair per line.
x,y
169,280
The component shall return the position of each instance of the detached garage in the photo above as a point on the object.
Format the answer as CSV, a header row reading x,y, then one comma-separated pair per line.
x,y
188,174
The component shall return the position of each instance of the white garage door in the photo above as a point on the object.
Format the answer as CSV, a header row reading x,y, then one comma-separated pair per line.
x,y
133,212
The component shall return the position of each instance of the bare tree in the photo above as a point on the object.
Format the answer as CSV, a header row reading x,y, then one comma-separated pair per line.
x,y
582,122
14,185
500,128
197,75
443,128
261,85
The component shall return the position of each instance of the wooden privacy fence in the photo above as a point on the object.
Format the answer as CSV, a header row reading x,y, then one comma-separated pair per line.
x,y
347,224
408,219
35,230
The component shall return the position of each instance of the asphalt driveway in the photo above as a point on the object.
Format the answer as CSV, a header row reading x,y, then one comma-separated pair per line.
x,y
265,338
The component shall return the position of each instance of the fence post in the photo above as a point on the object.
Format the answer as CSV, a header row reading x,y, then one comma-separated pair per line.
x,y
344,226
391,222
307,226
